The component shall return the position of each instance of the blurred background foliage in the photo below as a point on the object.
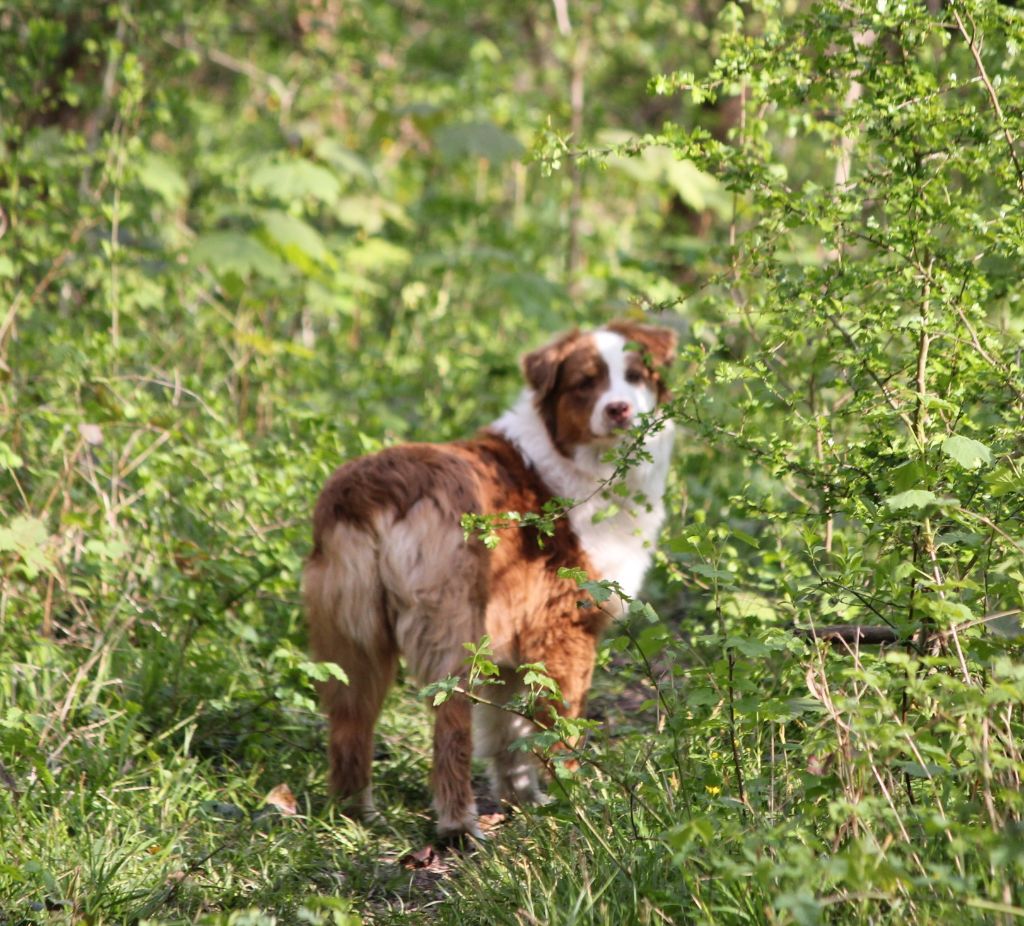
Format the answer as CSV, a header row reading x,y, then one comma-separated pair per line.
x,y
242,242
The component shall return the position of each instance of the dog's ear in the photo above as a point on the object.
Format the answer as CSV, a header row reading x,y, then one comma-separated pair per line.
x,y
540,367
660,343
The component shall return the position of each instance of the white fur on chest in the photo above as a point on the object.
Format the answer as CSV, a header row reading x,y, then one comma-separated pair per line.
x,y
619,546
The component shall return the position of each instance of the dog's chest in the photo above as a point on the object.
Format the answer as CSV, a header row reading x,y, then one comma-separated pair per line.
x,y
618,547
619,534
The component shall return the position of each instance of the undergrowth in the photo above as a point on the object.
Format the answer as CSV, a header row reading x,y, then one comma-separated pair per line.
x,y
240,244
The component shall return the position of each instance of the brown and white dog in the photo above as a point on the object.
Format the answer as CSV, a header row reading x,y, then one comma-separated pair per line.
x,y
392,573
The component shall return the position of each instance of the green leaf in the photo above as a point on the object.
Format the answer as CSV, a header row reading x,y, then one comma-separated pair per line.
x,y
296,239
536,679
160,175
912,498
749,539
27,538
750,648
643,609
948,612
910,474
226,252
376,255
8,458
605,513
321,671
660,165
710,572
682,544
916,770
599,591
652,640
1003,481
365,212
343,159
968,452
697,189
296,179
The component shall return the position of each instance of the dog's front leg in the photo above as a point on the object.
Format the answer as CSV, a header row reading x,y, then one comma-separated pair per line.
x,y
453,788
497,728
571,665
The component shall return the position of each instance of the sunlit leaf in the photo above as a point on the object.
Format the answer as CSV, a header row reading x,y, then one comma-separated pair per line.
x,y
968,452
296,179
235,252
295,238
161,175
27,538
912,498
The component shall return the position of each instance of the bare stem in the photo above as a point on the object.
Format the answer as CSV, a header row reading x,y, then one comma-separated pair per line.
x,y
972,44
819,451
923,342
731,660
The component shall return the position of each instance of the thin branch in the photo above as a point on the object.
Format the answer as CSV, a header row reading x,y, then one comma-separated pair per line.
x,y
7,780
285,93
852,344
983,74
987,357
7,326
924,341
844,163
731,661
562,16
846,634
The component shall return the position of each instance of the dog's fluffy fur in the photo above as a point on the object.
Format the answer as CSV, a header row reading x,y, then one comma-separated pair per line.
x,y
392,573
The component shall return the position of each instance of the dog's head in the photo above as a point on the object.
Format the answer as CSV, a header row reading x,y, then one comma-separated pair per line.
x,y
590,387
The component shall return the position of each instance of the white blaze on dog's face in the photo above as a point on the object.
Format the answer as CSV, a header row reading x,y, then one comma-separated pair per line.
x,y
590,389
629,391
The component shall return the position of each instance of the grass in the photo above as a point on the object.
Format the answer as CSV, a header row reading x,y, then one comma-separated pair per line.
x,y
739,775
119,822
122,814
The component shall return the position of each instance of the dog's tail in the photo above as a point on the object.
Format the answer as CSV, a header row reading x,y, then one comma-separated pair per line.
x,y
348,627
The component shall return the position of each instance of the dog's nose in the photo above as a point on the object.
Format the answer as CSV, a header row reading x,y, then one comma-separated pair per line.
x,y
619,413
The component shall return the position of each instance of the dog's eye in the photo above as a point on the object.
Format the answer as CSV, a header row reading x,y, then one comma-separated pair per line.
x,y
634,376
582,385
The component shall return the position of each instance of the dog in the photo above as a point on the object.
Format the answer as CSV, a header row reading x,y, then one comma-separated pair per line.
x,y
393,572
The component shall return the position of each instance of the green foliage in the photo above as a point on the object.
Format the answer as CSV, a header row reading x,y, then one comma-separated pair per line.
x,y
243,242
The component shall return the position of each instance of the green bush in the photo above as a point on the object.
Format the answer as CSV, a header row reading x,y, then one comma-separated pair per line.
x,y
242,242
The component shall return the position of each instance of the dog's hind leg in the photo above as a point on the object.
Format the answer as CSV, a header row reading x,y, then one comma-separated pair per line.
x,y
437,583
568,657
352,709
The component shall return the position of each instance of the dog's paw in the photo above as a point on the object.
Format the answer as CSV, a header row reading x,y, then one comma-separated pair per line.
x,y
525,797
540,798
519,787
464,834
359,807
